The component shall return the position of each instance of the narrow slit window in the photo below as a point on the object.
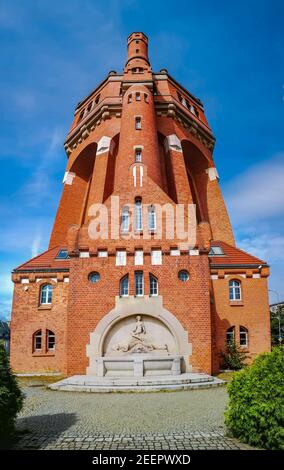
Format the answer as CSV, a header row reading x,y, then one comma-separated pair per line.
x,y
139,284
138,123
138,155
138,215
138,97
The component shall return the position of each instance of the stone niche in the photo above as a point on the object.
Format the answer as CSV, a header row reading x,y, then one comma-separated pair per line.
x,y
149,342
125,337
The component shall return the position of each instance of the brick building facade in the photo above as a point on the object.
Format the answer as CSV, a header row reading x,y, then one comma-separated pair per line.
x,y
141,139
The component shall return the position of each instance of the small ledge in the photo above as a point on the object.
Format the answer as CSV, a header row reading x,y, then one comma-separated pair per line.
x,y
43,354
236,303
45,307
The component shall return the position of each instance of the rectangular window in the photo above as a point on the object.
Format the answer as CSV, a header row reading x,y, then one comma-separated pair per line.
x,y
139,284
50,341
138,123
84,254
125,219
156,257
138,216
102,254
138,257
152,218
243,338
37,342
175,252
153,286
137,97
120,258
138,155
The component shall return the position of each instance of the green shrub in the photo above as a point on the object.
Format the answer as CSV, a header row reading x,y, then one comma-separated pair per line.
x,y
255,413
11,397
233,358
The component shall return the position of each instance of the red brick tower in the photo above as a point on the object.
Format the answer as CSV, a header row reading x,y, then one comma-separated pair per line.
x,y
142,139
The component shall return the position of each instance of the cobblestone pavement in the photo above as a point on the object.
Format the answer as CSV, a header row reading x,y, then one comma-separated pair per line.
x,y
168,420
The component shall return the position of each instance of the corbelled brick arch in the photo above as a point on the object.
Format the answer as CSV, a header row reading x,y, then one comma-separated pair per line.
x,y
206,194
72,206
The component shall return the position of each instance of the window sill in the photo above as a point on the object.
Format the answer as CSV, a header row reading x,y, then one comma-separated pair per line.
x,y
43,354
236,303
45,307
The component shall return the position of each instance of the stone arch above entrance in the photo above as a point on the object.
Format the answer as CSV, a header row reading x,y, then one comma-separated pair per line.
x,y
124,313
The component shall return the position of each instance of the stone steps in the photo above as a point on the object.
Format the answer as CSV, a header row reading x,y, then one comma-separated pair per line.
x,y
85,383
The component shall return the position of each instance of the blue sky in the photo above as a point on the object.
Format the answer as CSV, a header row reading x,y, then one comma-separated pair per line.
x,y
229,54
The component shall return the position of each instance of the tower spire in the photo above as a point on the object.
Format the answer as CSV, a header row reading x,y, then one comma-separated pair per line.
x,y
137,52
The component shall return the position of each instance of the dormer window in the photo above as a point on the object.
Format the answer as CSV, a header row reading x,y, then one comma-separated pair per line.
x,y
62,254
216,251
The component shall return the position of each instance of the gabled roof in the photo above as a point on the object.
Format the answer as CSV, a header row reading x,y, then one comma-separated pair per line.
x,y
45,261
233,256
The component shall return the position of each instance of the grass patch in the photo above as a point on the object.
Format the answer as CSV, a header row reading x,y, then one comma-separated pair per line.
x,y
227,376
39,380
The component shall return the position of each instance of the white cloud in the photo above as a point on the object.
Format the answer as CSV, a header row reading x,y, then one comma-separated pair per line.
x,y
258,193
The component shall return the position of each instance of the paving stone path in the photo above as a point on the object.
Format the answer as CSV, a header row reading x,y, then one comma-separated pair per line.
x,y
144,421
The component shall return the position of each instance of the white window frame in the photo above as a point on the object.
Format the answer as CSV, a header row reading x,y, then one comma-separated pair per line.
x,y
102,253
50,335
152,279
120,259
235,290
46,294
37,335
152,218
138,155
156,257
138,123
138,218
243,331
138,258
124,289
230,334
139,286
125,219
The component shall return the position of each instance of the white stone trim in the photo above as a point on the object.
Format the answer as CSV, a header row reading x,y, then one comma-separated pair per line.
x,y
214,277
194,252
105,144
25,280
256,276
129,306
172,142
212,173
68,177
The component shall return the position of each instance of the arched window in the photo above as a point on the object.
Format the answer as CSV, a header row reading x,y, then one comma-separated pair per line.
x,y
138,215
230,335
125,219
234,290
243,337
139,283
124,286
153,281
50,338
152,220
37,340
81,115
46,294
97,99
